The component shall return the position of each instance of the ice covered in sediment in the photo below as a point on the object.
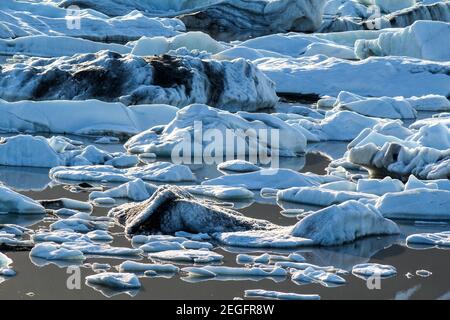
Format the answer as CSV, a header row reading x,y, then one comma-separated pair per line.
x,y
379,187
196,256
13,202
194,40
230,15
312,275
384,107
19,19
320,196
260,293
343,223
397,160
318,75
218,271
182,138
55,46
271,178
52,251
440,239
115,280
133,266
421,40
416,204
157,172
238,166
171,209
434,11
174,80
85,117
366,270
287,45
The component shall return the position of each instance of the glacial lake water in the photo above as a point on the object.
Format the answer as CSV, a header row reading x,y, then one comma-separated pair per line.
x,y
43,280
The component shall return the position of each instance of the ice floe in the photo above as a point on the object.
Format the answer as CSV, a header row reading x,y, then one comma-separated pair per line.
x,y
421,40
183,256
115,280
171,209
13,202
51,251
239,166
133,266
367,270
312,275
174,80
5,266
85,117
318,75
259,293
439,239
157,172
235,272
188,135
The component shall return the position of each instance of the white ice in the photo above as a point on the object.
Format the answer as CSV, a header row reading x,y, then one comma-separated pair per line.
x,y
374,269
13,202
115,280
440,239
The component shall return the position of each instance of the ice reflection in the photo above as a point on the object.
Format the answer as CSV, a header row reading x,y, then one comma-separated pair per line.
x,y
24,178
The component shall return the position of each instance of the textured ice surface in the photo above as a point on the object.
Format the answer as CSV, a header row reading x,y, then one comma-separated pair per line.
x,y
374,269
133,266
196,256
259,293
115,280
13,202
217,271
441,239
51,251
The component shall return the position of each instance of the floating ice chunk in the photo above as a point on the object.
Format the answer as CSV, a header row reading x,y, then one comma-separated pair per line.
x,y
423,40
339,186
141,239
267,258
66,203
423,273
439,239
416,204
197,256
115,280
158,171
100,236
319,196
159,246
82,117
51,251
189,134
5,262
367,270
100,266
259,293
136,190
319,74
13,229
304,266
218,271
13,202
123,161
133,266
89,248
59,236
238,166
194,40
380,187
104,201
271,178
187,80
79,225
197,245
172,209
384,107
311,275
343,223
220,192
400,161
414,183
193,236
430,103
8,241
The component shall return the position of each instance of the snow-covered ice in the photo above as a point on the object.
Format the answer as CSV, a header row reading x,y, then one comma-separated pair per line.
x,y
311,275
196,256
115,280
51,251
133,266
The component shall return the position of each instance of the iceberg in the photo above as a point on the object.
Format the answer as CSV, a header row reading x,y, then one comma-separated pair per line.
x,y
51,251
367,270
114,280
439,239
188,135
174,80
13,202
189,256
